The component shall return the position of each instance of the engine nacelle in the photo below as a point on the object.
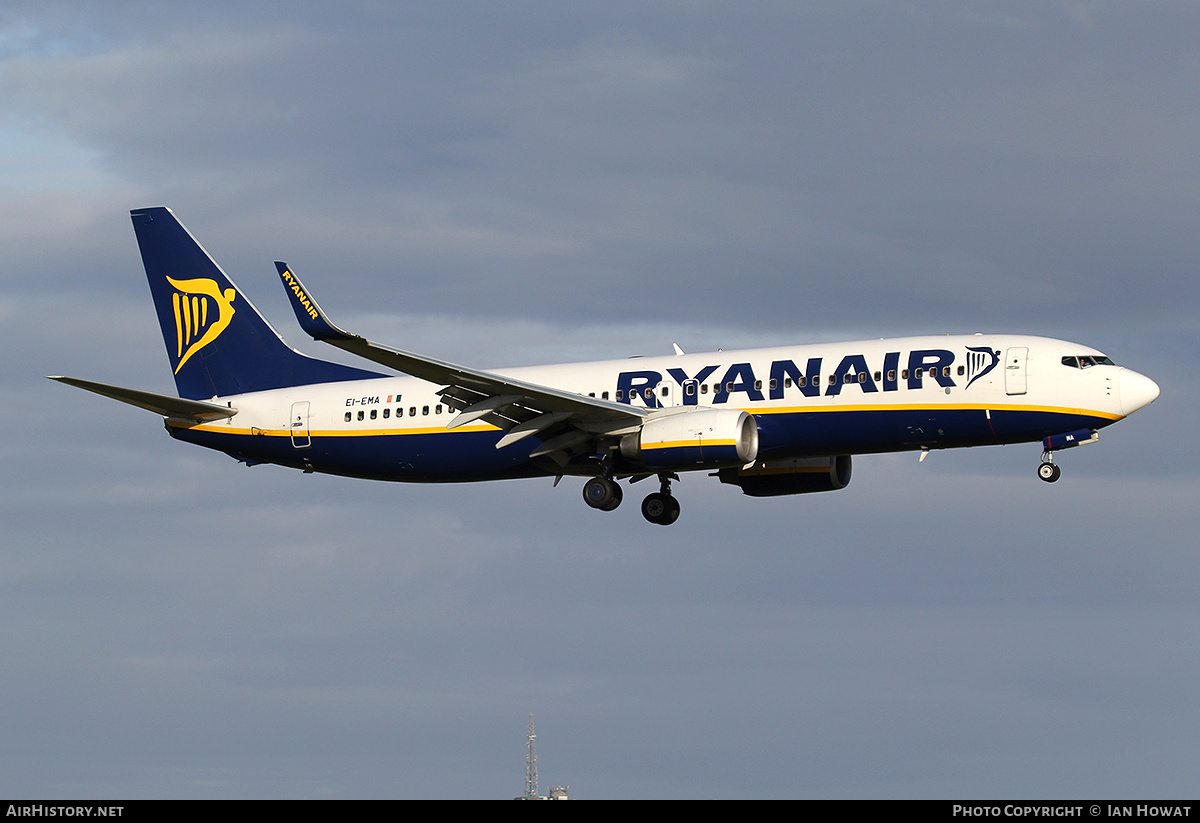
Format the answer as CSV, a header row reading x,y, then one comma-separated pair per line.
x,y
778,477
704,439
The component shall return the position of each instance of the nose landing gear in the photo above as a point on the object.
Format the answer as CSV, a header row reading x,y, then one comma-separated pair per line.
x,y
1049,470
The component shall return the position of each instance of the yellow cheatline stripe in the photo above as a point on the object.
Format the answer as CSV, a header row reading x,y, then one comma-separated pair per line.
x,y
478,427
686,444
219,429
935,407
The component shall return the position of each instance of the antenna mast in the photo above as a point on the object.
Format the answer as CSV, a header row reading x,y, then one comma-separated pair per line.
x,y
531,787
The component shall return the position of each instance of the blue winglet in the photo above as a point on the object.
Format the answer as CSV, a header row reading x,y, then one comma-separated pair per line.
x,y
312,320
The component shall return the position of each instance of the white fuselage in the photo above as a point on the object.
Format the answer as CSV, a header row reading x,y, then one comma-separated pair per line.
x,y
811,400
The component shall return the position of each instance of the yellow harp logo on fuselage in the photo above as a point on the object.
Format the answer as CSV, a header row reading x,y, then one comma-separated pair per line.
x,y
202,312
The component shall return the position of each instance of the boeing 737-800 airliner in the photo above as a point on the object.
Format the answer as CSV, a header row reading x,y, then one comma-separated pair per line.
x,y
774,421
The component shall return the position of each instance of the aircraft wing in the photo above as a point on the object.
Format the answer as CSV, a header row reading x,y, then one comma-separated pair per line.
x,y
177,408
563,419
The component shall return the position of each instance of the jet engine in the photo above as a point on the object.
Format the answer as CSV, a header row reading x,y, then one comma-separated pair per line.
x,y
708,438
773,478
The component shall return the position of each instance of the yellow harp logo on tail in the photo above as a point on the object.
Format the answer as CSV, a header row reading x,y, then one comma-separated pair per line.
x,y
202,312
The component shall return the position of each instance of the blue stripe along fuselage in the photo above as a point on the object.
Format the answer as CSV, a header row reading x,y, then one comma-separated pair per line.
x,y
862,431
470,455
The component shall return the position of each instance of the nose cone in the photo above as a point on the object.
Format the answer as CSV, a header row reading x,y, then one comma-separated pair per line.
x,y
1136,391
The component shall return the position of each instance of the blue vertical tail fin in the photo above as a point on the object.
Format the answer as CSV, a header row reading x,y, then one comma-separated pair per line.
x,y
217,342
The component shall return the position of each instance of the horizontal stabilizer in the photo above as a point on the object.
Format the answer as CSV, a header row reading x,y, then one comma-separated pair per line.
x,y
174,407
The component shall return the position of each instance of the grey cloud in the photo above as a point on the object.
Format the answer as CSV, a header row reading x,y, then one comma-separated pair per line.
x,y
502,184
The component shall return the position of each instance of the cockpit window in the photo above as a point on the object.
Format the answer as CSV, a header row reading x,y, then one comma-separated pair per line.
x,y
1086,361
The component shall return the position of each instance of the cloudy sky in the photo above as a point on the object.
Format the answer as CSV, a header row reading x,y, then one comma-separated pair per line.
x,y
521,182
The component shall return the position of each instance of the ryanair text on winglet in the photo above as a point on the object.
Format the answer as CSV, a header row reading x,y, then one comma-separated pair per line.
x,y
300,295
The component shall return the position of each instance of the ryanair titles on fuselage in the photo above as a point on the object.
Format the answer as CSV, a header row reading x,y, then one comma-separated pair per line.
x,y
791,375
851,370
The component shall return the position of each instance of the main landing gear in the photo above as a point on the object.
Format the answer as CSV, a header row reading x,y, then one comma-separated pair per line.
x,y
660,507
602,493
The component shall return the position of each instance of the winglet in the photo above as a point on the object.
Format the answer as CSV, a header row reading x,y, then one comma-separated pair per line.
x,y
312,320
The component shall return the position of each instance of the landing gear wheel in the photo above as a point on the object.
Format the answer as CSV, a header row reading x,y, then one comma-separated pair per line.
x,y
654,507
1049,472
661,509
672,512
602,493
